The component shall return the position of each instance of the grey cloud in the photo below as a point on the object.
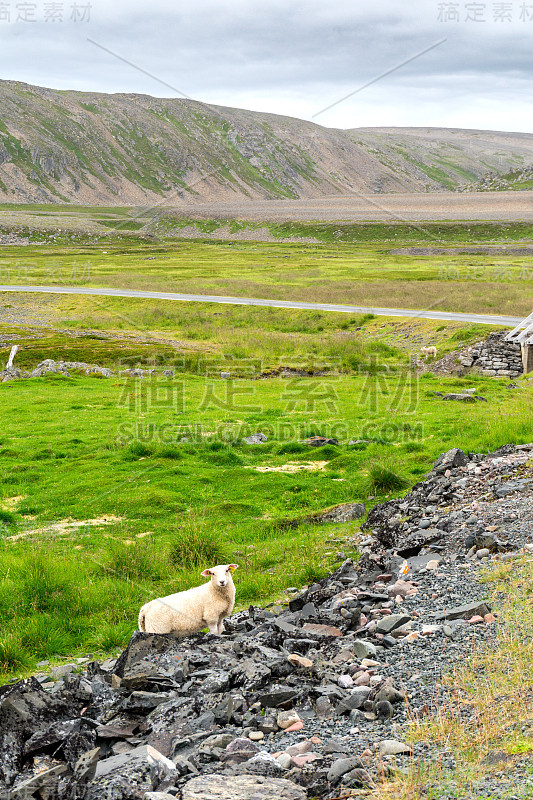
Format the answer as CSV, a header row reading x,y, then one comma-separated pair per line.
x,y
270,50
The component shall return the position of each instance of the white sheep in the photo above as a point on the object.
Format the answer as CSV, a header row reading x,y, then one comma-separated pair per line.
x,y
188,612
429,351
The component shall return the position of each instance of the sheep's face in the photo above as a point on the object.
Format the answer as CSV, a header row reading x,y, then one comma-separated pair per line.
x,y
220,575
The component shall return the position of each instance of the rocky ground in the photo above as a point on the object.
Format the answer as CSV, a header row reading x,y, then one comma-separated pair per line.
x,y
305,701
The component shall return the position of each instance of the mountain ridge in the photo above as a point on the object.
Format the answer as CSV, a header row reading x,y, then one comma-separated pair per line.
x,y
135,149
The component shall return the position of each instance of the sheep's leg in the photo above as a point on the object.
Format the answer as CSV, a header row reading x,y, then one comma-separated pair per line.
x,y
220,629
213,626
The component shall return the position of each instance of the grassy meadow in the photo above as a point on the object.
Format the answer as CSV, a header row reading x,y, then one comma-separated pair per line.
x,y
113,491
350,264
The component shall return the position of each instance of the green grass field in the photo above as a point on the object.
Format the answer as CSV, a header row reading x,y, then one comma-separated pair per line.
x,y
351,264
110,450
113,491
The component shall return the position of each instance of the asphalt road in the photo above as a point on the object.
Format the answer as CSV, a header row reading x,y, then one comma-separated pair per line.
x,y
486,319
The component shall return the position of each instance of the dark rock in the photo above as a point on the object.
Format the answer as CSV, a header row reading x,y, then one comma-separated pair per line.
x,y
383,709
460,398
391,622
463,612
412,544
320,441
239,750
323,708
309,610
279,697
145,701
25,709
284,626
342,513
452,458
43,782
141,646
508,487
357,778
250,673
351,703
341,766
121,777
223,712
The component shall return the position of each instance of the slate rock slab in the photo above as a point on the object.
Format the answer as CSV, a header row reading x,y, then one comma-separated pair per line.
x,y
463,612
390,623
141,646
241,787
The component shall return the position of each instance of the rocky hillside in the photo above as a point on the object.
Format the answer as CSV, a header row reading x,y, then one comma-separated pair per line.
x,y
90,148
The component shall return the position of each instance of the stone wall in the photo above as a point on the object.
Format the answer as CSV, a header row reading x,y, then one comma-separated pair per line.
x,y
495,356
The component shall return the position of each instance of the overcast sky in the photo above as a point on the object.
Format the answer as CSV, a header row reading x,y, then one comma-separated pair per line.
x,y
290,57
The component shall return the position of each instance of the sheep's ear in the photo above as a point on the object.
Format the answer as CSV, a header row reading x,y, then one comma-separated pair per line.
x,y
207,573
232,567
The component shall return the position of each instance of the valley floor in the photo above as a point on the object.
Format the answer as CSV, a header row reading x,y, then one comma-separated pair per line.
x,y
358,207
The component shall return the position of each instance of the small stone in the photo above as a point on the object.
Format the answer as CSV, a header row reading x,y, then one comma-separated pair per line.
x,y
287,718
489,618
476,619
429,630
390,623
368,662
363,649
60,672
299,748
363,679
284,760
321,630
256,736
296,726
299,661
483,553
340,767
323,708
300,761
383,709
345,681
432,565
391,747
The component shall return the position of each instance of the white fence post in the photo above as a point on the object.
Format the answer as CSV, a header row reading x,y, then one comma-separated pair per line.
x,y
12,355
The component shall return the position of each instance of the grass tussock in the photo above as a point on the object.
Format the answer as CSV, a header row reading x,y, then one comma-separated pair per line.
x,y
383,478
